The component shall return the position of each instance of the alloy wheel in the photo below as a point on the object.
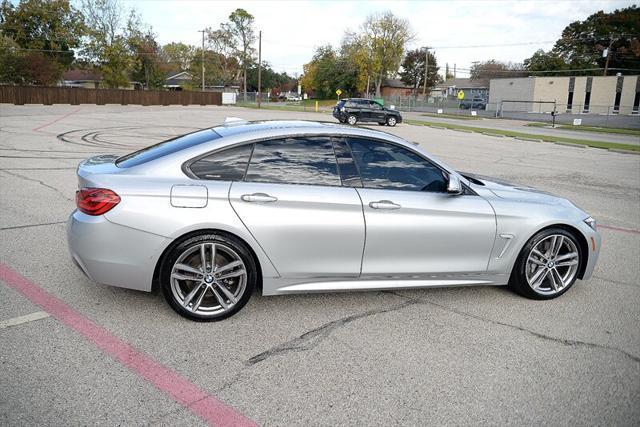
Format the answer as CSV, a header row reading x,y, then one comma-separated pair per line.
x,y
552,264
391,121
352,120
208,279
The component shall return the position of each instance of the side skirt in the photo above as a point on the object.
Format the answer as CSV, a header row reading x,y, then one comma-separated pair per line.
x,y
282,286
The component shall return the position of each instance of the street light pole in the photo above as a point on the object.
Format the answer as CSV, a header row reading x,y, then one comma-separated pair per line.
x,y
202,31
259,65
426,69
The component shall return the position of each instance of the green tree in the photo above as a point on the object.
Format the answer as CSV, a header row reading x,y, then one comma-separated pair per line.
x,y
413,66
491,69
145,67
12,62
48,30
240,27
583,42
545,61
222,43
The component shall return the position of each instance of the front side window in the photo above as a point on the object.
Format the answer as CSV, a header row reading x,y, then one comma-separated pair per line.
x,y
376,106
392,167
300,160
225,165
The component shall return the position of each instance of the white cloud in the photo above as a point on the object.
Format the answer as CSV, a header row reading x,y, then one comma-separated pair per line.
x,y
291,30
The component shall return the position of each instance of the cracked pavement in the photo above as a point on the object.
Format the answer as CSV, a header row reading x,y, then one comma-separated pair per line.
x,y
464,356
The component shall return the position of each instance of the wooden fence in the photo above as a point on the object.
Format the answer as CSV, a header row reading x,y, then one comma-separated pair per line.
x,y
21,95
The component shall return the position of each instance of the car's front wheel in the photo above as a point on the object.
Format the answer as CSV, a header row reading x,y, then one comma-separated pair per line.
x,y
352,119
391,121
208,277
548,265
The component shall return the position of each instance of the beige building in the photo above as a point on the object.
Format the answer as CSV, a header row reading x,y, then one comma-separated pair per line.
x,y
577,95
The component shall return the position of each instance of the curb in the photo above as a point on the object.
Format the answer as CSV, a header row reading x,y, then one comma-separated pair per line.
x,y
461,130
619,150
497,135
568,144
522,138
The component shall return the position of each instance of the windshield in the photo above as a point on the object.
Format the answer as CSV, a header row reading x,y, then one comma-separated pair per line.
x,y
166,147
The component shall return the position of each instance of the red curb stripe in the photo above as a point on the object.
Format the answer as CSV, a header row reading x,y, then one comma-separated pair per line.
x,y
178,388
54,121
624,230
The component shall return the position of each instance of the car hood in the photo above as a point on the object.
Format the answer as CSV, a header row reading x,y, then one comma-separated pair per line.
x,y
515,192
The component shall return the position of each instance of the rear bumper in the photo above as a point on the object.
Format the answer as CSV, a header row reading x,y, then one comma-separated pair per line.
x,y
112,254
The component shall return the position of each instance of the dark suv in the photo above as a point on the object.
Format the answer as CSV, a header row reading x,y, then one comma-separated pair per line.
x,y
355,110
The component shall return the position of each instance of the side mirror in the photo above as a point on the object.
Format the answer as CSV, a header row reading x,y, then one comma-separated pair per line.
x,y
454,186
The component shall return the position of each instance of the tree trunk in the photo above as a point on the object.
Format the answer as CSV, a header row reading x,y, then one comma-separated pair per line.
x,y
244,86
378,86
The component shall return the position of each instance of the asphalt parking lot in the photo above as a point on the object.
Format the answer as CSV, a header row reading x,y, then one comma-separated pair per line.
x,y
98,355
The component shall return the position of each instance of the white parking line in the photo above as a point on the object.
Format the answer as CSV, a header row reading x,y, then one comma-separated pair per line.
x,y
23,319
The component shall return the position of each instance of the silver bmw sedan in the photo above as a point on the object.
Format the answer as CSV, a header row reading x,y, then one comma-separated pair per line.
x,y
298,206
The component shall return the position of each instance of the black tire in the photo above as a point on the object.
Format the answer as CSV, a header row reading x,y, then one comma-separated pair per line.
x,y
352,119
392,121
518,280
180,247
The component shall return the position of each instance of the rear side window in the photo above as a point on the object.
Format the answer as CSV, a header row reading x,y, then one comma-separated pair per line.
x,y
302,160
225,165
166,147
392,167
348,171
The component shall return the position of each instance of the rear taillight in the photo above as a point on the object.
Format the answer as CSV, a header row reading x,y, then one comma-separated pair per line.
x,y
96,201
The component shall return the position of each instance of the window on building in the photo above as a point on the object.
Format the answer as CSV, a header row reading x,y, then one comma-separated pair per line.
x,y
569,102
587,101
616,103
636,103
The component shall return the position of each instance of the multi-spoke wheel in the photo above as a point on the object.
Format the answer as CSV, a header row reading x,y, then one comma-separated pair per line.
x,y
548,264
208,277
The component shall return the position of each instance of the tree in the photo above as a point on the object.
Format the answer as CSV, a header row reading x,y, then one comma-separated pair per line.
x,y
413,67
178,56
12,63
583,42
545,61
384,36
106,45
240,27
50,30
492,69
221,42
145,67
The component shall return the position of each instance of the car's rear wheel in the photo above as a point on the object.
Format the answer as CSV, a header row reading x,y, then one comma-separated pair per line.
x,y
352,119
208,277
548,265
391,121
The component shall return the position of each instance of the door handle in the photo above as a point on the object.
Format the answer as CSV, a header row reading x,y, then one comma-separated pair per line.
x,y
258,197
384,204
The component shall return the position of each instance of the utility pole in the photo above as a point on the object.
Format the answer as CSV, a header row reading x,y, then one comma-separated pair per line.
x,y
426,69
202,31
259,65
606,64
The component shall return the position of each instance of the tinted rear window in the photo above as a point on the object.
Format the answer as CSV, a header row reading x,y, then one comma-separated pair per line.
x,y
166,147
225,165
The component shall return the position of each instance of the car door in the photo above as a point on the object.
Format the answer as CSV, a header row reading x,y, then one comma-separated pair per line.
x,y
365,110
414,227
378,113
293,203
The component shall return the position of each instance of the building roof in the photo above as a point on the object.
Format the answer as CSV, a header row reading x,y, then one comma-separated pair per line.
x,y
82,75
464,83
395,83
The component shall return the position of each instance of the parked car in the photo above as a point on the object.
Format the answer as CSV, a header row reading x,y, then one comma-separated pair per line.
x,y
354,110
295,98
293,206
473,104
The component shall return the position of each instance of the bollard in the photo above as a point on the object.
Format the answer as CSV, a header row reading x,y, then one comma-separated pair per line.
x,y
316,106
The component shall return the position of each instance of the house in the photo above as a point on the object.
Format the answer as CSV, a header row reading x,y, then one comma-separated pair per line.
x,y
178,81
567,94
395,87
88,79
477,88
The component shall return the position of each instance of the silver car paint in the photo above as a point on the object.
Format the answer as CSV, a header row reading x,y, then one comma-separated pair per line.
x,y
335,240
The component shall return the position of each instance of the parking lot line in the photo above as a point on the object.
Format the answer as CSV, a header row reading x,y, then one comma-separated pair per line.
x,y
624,230
15,321
177,387
36,129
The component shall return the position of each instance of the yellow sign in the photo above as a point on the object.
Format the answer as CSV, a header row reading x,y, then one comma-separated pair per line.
x,y
460,95
338,92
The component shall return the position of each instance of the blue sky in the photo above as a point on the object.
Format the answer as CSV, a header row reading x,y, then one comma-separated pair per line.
x,y
292,29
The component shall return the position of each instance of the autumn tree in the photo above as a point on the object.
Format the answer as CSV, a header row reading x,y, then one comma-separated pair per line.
x,y
178,56
145,64
43,34
491,69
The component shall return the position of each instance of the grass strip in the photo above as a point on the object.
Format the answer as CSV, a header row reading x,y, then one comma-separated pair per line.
x,y
620,131
514,134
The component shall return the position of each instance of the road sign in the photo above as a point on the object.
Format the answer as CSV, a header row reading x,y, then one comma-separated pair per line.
x,y
338,92
460,95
